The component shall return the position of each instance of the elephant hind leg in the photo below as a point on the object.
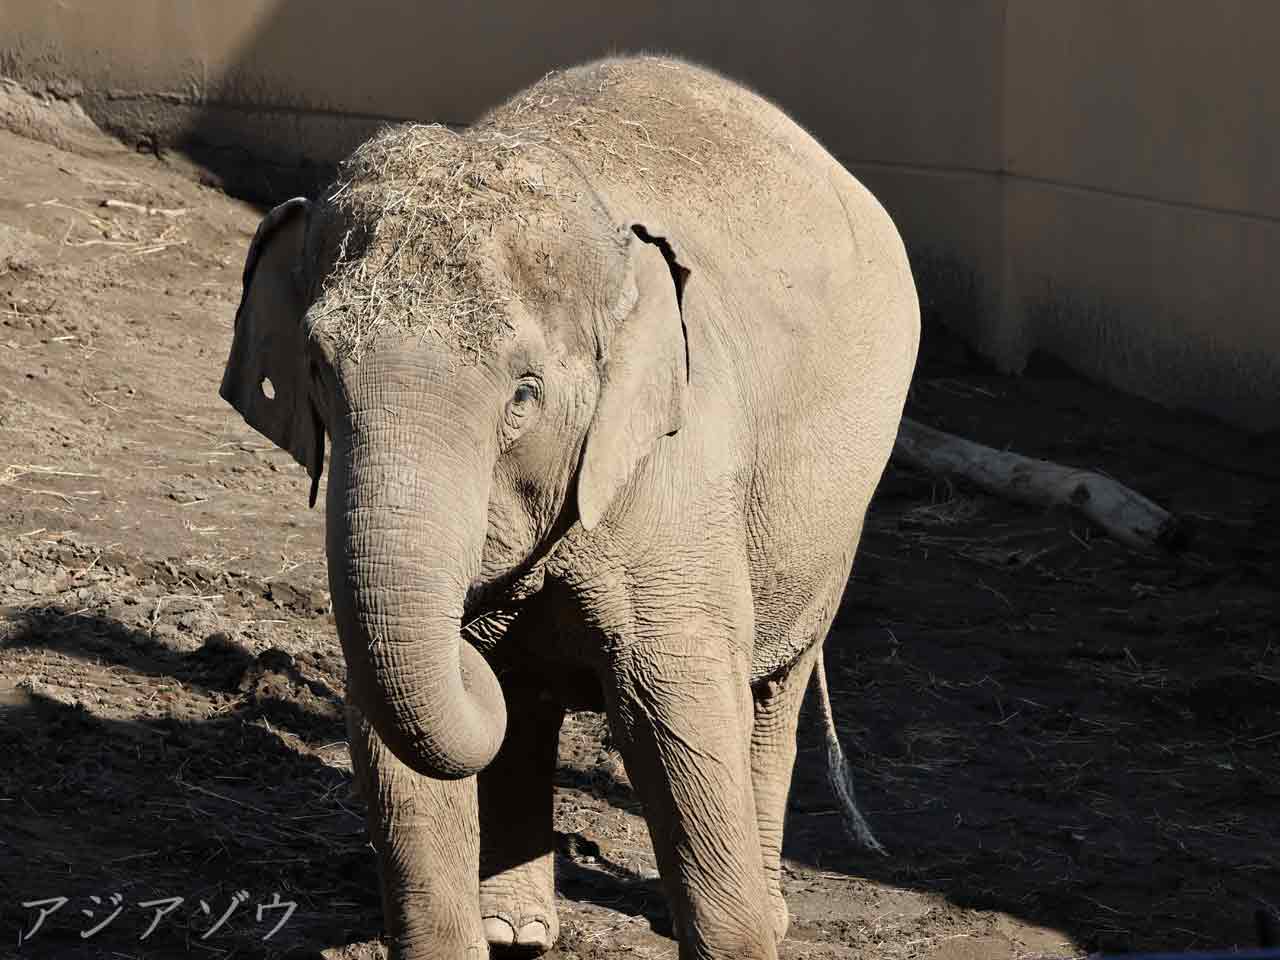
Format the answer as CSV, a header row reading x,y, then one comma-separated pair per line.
x,y
773,756
777,714
517,837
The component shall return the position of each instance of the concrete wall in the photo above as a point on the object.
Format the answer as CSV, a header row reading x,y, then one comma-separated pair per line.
x,y
1142,199
1097,180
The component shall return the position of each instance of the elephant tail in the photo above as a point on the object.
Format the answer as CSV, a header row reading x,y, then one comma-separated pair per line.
x,y
838,774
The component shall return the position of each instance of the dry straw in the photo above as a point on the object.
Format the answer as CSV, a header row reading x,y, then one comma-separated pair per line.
x,y
412,206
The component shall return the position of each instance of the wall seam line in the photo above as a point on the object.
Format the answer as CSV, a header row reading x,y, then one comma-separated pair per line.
x,y
939,169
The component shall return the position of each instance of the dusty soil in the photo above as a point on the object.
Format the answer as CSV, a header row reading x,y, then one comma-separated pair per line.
x,y
1065,747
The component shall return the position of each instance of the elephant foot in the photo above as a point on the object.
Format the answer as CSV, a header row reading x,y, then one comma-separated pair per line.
x,y
519,912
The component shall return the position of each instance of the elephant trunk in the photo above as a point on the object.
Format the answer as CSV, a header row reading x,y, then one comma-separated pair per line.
x,y
406,515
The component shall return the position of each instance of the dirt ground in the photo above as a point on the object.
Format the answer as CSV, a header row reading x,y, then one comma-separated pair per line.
x,y
1065,747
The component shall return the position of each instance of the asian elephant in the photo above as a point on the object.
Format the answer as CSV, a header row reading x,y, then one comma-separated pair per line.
x,y
608,381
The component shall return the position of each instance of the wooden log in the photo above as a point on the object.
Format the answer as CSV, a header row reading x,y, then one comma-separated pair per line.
x,y
1122,514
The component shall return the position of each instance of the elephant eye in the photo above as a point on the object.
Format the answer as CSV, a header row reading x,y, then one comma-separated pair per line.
x,y
521,409
526,393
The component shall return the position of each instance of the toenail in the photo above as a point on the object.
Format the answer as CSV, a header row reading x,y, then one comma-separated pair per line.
x,y
498,931
534,933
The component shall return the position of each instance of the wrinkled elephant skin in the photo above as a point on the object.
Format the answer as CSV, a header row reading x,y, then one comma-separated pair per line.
x,y
606,383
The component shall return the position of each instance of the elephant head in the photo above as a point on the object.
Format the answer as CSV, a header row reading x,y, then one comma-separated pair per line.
x,y
488,373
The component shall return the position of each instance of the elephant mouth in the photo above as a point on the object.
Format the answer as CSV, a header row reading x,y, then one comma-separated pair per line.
x,y
492,596
493,592
486,631
492,605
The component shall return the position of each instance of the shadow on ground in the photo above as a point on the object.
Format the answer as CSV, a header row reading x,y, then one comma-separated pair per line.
x,y
200,774
191,774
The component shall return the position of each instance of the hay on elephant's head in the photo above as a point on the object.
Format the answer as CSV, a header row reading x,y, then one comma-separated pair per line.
x,y
411,207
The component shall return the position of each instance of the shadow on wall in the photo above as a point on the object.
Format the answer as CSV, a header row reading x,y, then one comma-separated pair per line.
x,y
384,61
363,64
367,64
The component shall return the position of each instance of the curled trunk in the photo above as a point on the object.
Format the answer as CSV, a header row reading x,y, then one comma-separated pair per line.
x,y
406,512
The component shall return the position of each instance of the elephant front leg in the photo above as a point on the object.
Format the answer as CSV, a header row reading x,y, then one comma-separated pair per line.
x,y
681,712
427,837
517,837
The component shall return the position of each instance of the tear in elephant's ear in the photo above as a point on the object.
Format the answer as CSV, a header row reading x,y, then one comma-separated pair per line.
x,y
645,373
267,376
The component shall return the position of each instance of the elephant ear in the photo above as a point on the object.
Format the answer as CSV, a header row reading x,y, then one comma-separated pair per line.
x,y
645,376
267,375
